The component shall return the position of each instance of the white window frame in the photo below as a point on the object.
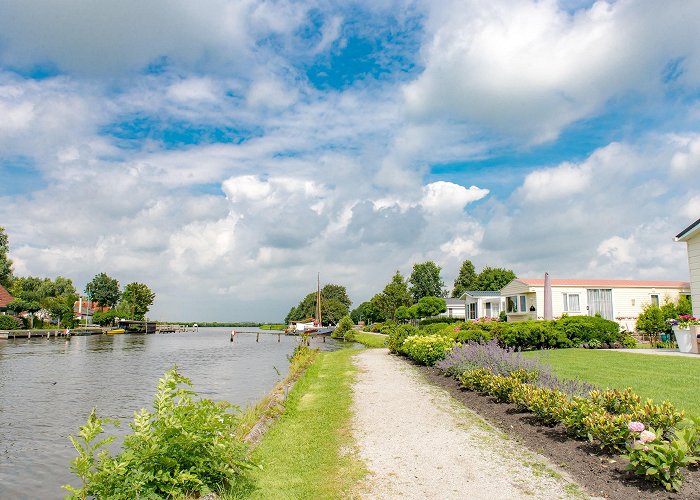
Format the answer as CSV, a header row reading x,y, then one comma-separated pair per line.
x,y
568,304
520,302
658,299
470,311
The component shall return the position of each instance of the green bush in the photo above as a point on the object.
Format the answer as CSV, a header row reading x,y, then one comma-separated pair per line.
x,y
582,329
426,349
344,330
478,379
610,431
547,404
397,335
439,319
184,448
9,322
434,328
573,415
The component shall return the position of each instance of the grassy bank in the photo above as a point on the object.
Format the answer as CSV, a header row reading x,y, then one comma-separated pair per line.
x,y
273,326
657,377
308,453
371,339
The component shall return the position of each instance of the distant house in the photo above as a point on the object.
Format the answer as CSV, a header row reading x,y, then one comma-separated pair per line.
x,y
5,298
691,236
474,305
455,308
84,310
617,300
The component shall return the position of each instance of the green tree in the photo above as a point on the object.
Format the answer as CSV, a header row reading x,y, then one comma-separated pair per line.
x,y
394,295
335,304
425,281
139,298
104,290
651,321
6,276
465,279
431,306
366,312
403,314
684,307
493,279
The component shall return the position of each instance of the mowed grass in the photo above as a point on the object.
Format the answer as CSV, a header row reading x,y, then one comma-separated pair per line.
x,y
371,339
676,379
309,451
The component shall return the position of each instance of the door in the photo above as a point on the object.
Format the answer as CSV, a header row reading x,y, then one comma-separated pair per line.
x,y
600,301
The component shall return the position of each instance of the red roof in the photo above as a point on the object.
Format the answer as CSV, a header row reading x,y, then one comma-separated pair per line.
x,y
5,297
608,283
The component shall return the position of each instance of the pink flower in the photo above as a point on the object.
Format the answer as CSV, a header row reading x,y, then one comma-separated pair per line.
x,y
636,427
647,437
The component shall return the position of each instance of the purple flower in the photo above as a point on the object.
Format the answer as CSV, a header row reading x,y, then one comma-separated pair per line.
x,y
635,426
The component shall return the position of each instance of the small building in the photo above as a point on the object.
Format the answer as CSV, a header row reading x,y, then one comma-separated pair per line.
x,y
84,310
455,308
5,299
482,304
691,236
616,300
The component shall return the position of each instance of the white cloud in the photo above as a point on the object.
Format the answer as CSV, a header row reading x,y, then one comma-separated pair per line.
x,y
528,69
447,197
554,183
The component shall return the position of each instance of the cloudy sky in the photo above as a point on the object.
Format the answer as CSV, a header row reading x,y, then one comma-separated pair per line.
x,y
224,151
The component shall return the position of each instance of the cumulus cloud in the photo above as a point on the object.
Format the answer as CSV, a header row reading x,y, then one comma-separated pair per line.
x,y
552,183
528,69
444,197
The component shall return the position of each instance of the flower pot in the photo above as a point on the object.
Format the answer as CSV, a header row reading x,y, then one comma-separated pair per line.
x,y
685,339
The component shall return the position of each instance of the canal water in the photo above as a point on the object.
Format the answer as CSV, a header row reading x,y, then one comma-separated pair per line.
x,y
48,387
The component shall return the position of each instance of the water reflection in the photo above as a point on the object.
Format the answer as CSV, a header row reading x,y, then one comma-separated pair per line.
x,y
48,386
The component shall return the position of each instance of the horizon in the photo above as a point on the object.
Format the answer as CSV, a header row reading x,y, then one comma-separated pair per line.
x,y
225,153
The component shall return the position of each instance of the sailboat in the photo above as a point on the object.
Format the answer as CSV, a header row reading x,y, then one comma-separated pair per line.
x,y
312,325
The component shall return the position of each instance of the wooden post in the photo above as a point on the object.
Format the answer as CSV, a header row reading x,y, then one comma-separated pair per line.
x,y
257,337
279,337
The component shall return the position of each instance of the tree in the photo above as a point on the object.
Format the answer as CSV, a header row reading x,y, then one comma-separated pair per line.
x,y
403,314
335,304
103,290
366,312
652,321
55,297
465,279
431,306
139,297
425,281
394,295
5,262
493,279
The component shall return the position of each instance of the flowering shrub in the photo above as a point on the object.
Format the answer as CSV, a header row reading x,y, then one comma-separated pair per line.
x,y
659,460
686,320
662,416
426,349
496,359
477,380
397,335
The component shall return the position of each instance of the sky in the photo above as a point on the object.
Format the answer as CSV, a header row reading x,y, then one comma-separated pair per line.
x,y
224,152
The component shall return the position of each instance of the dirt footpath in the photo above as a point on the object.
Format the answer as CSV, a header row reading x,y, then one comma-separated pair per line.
x,y
418,442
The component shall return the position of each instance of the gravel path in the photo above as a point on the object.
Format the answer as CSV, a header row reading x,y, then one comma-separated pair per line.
x,y
418,442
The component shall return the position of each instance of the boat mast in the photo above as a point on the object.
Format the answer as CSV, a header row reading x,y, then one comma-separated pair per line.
x,y
318,299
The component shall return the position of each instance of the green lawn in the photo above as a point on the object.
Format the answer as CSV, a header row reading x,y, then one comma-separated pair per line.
x,y
308,452
371,339
676,379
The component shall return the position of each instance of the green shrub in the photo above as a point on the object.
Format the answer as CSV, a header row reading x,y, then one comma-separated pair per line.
x,y
532,335
344,330
628,341
477,380
573,415
547,404
426,349
397,335
582,329
440,319
661,461
434,328
610,431
616,401
9,322
662,417
184,448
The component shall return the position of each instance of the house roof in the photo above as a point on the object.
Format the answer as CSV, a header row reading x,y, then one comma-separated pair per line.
x,y
688,231
607,283
482,293
5,297
454,302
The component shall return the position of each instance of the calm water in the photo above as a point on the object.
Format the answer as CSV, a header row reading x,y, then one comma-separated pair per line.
x,y
48,386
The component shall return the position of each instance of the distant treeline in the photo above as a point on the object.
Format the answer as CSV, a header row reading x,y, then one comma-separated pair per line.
x,y
264,326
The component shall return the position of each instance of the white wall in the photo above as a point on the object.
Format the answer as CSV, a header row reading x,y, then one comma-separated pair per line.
x,y
694,265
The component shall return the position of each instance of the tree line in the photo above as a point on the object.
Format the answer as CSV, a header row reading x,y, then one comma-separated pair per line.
x,y
53,300
418,296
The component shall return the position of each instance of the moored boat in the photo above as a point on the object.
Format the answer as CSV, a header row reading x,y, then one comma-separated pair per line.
x,y
115,331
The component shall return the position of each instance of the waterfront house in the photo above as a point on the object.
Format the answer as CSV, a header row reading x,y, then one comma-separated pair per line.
x,y
84,310
617,300
691,236
482,304
5,299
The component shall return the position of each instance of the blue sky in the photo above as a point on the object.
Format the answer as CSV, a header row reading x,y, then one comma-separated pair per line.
x,y
223,152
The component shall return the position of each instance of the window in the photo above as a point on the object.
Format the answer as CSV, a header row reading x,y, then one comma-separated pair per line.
x,y
655,300
471,311
571,302
487,309
516,304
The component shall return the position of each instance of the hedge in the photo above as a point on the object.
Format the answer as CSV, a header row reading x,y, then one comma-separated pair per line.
x,y
9,322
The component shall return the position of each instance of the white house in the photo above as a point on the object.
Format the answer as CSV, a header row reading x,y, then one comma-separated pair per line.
x,y
455,308
691,236
617,300
482,304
